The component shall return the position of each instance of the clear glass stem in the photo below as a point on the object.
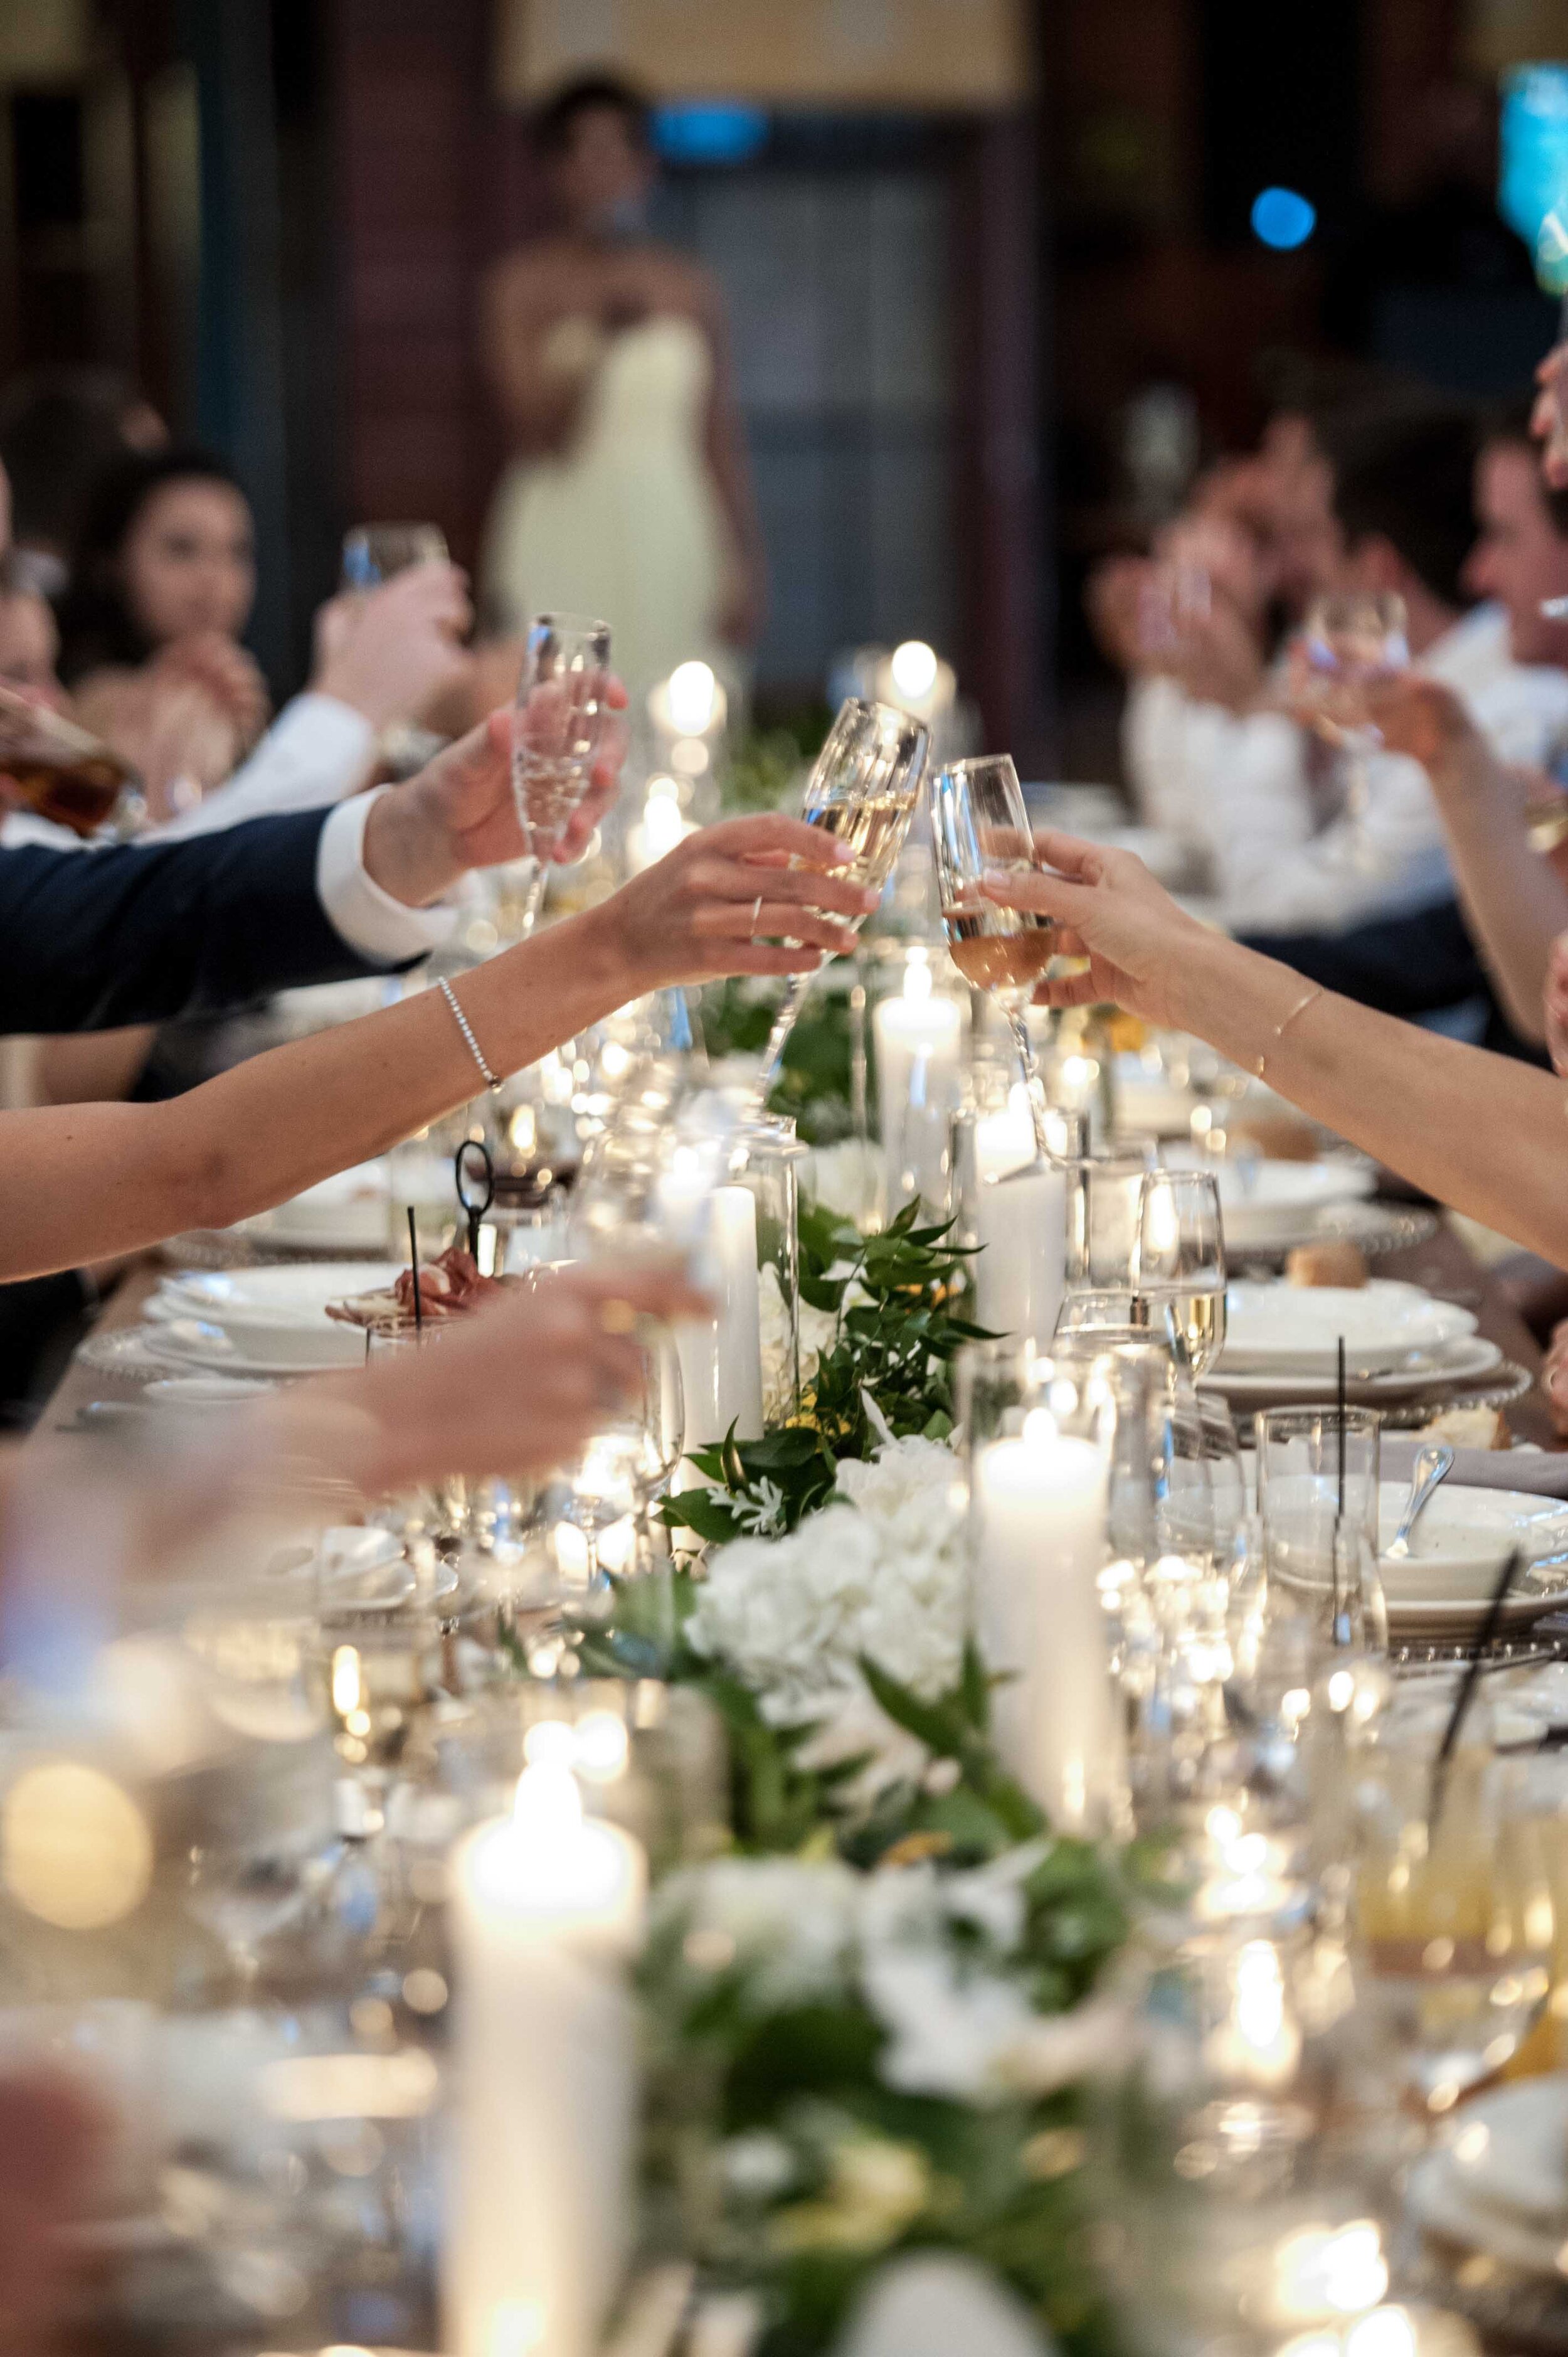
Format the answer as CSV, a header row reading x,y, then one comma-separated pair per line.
x,y
784,1022
533,898
1018,1023
596,1593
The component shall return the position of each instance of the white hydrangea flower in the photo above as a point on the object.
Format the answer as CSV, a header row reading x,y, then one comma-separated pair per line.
x,y
952,2033
879,1573
789,1921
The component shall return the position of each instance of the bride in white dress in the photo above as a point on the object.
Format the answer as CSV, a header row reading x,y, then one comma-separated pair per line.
x,y
629,496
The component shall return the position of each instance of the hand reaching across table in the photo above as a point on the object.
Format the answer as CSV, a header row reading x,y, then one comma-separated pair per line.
x,y
1479,1132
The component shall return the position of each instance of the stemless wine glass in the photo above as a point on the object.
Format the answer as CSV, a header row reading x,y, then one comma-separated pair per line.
x,y
862,789
559,726
373,552
1178,1258
1453,1911
978,822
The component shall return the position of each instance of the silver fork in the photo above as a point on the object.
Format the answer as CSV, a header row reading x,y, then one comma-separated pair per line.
x,y
1432,1465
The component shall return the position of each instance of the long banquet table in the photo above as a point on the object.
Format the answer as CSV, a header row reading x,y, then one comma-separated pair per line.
x,y
1444,1264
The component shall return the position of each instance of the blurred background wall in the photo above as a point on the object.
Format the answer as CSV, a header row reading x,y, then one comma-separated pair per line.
x,y
994,281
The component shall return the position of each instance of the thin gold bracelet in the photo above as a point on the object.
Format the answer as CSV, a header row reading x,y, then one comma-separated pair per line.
x,y
1302,1004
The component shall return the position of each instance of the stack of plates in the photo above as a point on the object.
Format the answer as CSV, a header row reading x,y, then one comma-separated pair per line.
x,y
260,1322
1500,2187
1281,1344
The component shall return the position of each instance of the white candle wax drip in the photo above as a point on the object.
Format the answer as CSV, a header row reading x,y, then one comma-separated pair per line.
x,y
546,1908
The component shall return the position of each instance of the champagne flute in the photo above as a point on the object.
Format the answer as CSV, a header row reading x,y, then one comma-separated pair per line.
x,y
373,552
559,726
978,822
1349,644
862,789
1178,1258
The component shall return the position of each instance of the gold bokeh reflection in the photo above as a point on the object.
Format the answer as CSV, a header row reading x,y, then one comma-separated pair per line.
x,y
75,1850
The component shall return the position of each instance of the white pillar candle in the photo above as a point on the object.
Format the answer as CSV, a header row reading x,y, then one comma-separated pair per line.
x,y
917,1038
546,1909
721,1358
1040,1507
1021,1272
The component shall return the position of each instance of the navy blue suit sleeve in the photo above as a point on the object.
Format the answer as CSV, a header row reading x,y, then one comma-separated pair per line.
x,y
142,933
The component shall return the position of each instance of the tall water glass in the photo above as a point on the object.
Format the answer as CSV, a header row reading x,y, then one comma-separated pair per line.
x,y
559,726
1317,1501
862,791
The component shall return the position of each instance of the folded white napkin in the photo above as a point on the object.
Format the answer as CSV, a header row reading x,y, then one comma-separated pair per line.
x,y
1544,1473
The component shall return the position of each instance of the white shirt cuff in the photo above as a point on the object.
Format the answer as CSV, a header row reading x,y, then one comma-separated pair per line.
x,y
372,923
316,751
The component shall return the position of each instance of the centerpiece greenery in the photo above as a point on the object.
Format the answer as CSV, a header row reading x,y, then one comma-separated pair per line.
x,y
865,2024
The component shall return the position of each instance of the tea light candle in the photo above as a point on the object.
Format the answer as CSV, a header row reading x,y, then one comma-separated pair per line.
x,y
1021,1273
1039,1538
721,1357
545,1911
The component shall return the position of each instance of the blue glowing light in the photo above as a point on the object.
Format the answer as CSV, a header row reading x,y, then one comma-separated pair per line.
x,y
1534,148
713,132
1282,219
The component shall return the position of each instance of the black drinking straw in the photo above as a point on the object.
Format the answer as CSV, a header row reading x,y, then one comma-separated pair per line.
x,y
1471,1680
414,1256
1342,1382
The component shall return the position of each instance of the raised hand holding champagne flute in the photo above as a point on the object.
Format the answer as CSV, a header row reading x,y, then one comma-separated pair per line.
x,y
979,827
563,710
860,792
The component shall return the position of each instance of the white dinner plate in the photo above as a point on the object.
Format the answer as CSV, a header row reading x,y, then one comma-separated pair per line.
x,y
1500,2186
207,1395
1274,1328
1270,1205
299,1289
1512,2151
1467,1360
346,1213
190,1345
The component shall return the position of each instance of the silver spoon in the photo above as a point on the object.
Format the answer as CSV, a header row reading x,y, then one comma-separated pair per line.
x,y
1431,1464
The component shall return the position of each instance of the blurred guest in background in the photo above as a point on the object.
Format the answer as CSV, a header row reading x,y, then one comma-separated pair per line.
x,y
162,583
1353,889
60,429
630,495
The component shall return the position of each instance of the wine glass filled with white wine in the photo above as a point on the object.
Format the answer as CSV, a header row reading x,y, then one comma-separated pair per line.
x,y
978,823
862,789
1178,1260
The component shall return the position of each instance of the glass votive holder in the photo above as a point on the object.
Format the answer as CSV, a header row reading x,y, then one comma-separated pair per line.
x,y
1318,1498
649,1757
766,1158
